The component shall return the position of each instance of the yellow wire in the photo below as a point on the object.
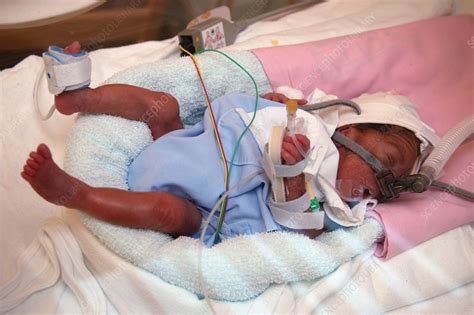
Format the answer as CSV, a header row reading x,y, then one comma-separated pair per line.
x,y
309,189
221,149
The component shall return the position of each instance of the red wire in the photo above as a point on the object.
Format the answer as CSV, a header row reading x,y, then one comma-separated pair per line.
x,y
217,131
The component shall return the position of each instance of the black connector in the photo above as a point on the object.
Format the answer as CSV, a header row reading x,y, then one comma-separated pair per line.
x,y
186,42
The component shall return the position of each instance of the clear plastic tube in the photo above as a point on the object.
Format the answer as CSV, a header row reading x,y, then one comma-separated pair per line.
x,y
202,283
232,189
443,151
291,108
35,97
298,146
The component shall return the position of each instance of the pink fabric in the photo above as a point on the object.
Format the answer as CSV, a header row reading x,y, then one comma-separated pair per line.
x,y
431,62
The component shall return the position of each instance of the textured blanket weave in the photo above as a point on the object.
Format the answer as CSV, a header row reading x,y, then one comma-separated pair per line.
x,y
100,150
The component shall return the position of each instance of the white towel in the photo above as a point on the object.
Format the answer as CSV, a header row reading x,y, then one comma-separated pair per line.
x,y
99,152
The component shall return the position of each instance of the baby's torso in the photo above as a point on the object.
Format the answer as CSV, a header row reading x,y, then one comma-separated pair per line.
x,y
188,163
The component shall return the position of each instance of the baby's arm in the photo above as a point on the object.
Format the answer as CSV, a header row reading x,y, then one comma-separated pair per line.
x,y
290,155
295,186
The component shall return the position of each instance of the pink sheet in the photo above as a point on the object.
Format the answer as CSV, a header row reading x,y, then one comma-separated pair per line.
x,y
431,62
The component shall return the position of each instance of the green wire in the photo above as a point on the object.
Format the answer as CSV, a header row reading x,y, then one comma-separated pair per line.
x,y
221,215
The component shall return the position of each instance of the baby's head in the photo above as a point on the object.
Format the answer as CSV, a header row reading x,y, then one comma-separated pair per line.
x,y
391,130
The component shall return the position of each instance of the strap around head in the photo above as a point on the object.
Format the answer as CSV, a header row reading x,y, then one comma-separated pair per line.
x,y
384,177
359,150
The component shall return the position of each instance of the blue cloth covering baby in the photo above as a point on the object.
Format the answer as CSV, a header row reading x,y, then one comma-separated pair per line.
x,y
187,163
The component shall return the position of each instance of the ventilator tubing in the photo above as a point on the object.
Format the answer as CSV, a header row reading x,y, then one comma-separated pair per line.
x,y
449,143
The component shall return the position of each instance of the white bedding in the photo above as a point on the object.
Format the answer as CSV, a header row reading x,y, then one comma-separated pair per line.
x,y
22,210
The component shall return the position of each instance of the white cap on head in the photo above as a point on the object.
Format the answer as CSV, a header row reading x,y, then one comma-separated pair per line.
x,y
392,109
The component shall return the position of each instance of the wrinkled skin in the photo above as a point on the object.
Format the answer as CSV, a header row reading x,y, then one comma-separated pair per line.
x,y
161,211
397,150
164,211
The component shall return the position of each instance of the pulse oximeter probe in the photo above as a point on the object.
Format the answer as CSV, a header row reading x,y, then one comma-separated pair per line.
x,y
64,72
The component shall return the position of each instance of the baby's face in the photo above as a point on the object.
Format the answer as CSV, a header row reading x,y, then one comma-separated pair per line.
x,y
396,150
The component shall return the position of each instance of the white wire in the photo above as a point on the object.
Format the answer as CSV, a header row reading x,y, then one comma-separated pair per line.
x,y
35,97
202,282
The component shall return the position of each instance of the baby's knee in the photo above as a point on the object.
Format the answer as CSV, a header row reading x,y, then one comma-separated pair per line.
x,y
164,104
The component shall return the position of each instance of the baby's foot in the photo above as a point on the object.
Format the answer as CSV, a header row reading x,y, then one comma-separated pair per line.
x,y
68,103
51,182
73,48
79,101
160,111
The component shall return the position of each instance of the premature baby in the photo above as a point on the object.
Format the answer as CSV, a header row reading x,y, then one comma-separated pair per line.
x,y
174,209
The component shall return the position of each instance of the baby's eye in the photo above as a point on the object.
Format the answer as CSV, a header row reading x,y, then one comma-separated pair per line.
x,y
387,160
390,160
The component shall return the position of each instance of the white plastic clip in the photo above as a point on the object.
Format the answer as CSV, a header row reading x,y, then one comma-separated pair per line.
x,y
274,158
66,72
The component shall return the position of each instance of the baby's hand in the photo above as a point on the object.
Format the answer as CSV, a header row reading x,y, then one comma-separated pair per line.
x,y
290,155
281,98
289,152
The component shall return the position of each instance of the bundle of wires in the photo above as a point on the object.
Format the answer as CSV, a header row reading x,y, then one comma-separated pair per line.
x,y
227,168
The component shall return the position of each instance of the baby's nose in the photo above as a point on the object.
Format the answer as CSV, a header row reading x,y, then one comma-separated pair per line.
x,y
350,190
360,193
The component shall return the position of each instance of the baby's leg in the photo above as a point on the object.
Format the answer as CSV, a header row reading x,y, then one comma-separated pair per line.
x,y
159,110
159,211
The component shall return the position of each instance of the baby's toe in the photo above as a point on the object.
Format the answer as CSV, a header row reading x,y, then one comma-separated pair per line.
x,y
33,164
29,171
73,48
25,176
44,151
37,157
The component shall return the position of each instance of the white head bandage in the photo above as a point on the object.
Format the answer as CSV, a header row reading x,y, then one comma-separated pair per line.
x,y
391,109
